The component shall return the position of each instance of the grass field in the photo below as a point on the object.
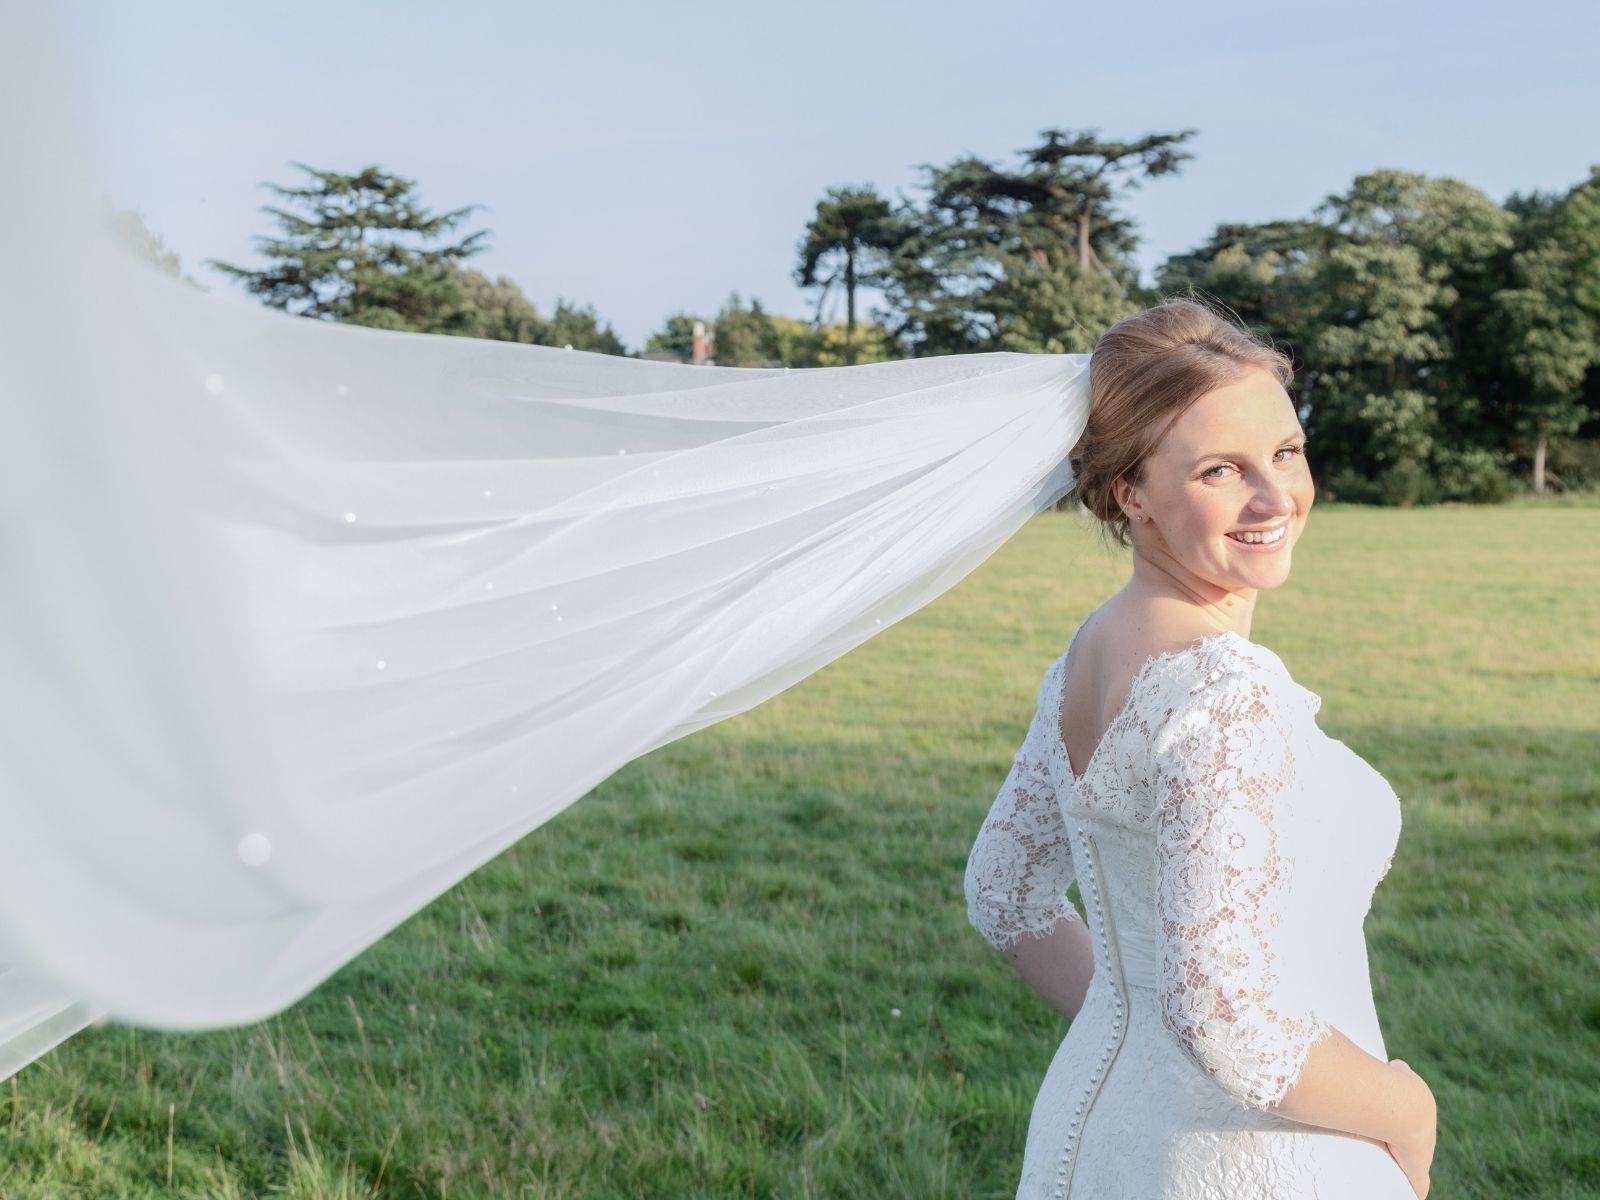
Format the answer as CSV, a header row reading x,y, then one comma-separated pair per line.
x,y
742,967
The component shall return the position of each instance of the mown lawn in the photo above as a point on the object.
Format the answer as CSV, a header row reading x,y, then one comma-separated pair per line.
x,y
741,967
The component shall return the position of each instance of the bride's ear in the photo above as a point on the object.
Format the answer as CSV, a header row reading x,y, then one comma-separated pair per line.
x,y
1128,499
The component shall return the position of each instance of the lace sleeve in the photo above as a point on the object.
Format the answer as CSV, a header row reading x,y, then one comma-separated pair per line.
x,y
1229,992
1021,863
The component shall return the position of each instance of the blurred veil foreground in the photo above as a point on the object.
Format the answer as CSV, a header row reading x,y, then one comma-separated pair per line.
x,y
302,623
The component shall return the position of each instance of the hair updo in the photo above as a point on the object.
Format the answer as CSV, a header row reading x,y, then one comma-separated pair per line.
x,y
1144,373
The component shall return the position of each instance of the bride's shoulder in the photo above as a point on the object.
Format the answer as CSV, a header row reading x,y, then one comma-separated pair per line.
x,y
1225,677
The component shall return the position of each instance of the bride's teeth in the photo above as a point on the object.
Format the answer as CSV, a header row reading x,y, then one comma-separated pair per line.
x,y
1257,537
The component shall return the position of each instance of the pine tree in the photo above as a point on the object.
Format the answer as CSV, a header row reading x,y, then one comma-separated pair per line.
x,y
989,242
341,261
853,229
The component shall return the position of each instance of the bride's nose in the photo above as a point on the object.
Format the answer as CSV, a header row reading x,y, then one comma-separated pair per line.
x,y
1272,499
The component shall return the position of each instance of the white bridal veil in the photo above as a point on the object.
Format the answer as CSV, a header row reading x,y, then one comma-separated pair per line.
x,y
301,623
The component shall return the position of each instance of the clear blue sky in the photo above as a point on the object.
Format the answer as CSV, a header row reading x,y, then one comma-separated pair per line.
x,y
649,157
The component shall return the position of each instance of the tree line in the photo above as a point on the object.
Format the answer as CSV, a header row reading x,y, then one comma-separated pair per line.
x,y
1447,347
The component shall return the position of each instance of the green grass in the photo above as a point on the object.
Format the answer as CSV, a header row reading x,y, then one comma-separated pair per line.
x,y
741,967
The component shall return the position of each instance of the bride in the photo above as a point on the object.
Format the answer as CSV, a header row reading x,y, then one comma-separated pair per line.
x,y
1223,1041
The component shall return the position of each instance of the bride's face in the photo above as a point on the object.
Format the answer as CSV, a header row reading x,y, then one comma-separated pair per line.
x,y
1232,464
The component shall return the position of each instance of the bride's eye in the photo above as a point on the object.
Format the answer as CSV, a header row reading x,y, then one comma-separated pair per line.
x,y
1296,448
1299,448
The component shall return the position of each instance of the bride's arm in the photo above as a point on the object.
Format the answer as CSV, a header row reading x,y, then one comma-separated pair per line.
x,y
1234,995
1018,873
1343,1087
1058,964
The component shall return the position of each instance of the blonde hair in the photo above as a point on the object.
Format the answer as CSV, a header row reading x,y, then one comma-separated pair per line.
x,y
1144,373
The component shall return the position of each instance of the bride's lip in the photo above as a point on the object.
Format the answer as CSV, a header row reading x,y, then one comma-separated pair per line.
x,y
1262,528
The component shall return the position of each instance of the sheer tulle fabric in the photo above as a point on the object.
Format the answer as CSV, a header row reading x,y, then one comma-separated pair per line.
x,y
302,623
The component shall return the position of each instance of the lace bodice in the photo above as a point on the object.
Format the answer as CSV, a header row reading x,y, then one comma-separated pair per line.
x,y
1239,855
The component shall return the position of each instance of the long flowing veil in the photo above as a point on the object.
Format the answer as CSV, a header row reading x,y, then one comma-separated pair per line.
x,y
302,623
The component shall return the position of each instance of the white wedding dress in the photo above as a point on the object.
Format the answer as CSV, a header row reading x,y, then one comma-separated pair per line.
x,y
1226,850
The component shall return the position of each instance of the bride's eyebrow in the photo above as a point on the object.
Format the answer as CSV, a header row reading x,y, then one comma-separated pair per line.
x,y
1226,454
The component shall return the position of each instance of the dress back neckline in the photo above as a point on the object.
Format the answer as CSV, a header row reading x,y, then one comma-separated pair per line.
x,y
1145,672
